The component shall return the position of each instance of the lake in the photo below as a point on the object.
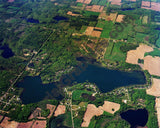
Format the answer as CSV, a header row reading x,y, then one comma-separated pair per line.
x,y
35,91
135,117
105,79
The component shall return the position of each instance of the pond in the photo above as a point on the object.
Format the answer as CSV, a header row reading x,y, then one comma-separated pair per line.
x,y
59,18
135,117
31,20
7,52
105,79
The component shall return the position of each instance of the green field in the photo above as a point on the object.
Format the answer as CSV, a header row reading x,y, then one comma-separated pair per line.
x,y
100,24
158,42
89,13
114,53
156,52
106,29
79,4
77,94
125,32
99,2
139,37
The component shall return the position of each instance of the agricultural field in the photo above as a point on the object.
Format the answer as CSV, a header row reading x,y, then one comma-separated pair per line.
x,y
114,53
158,42
154,53
99,2
106,28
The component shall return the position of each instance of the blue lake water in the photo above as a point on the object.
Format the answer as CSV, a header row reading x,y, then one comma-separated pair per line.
x,y
105,79
136,117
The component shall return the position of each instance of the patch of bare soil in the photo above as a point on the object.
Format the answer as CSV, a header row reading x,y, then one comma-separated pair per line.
x,y
95,8
115,2
60,110
91,111
36,113
8,124
155,89
89,30
120,18
134,55
152,64
25,125
84,1
153,6
39,124
51,108
110,107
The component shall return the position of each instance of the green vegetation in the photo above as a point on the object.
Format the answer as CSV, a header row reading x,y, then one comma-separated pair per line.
x,y
114,53
158,42
107,29
77,94
54,49
150,106
79,4
154,53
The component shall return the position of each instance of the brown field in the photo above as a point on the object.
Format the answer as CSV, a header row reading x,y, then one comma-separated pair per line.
x,y
155,89
51,108
93,31
111,17
110,107
60,110
89,30
158,110
80,1
115,2
95,8
120,18
36,113
10,1
134,55
91,111
39,124
25,125
154,6
8,124
152,64
72,14
96,34
84,1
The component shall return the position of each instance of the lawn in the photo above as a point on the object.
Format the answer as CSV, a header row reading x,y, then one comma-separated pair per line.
x,y
114,53
106,29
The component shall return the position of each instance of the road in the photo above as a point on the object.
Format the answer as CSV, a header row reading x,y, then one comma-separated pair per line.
x,y
7,92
